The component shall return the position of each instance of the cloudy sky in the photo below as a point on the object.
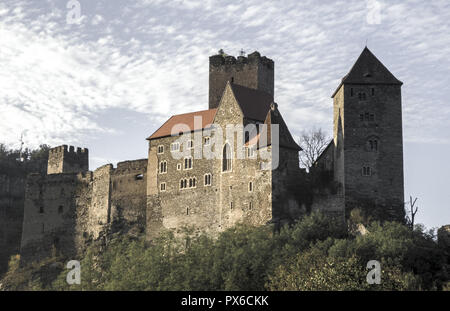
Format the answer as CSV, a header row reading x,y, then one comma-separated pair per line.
x,y
110,79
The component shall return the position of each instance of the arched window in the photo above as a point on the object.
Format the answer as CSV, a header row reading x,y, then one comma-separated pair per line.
x,y
226,158
372,144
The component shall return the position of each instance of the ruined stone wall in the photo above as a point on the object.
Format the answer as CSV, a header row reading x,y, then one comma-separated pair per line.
x,y
100,206
290,198
49,216
254,71
129,196
12,190
64,213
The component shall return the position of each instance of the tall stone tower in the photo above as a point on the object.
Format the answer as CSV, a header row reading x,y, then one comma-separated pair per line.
x,y
368,137
254,71
67,160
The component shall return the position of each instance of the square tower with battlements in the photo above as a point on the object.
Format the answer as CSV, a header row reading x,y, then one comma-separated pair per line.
x,y
254,71
64,159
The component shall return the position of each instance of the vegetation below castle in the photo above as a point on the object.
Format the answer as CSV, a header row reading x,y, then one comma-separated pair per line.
x,y
316,253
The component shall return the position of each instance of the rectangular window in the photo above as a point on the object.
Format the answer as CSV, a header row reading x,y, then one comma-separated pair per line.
x,y
183,184
206,141
251,151
160,149
372,117
163,186
188,163
190,144
163,167
208,180
178,166
373,91
366,171
250,186
174,146
361,117
351,92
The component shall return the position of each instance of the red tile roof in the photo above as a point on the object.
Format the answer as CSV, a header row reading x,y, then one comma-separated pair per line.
x,y
207,117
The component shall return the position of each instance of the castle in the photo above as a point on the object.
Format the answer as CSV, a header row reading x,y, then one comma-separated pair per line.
x,y
204,173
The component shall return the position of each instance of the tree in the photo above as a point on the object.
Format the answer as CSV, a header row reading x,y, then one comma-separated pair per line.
x,y
313,143
412,211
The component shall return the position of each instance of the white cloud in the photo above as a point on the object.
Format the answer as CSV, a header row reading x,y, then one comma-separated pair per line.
x,y
152,57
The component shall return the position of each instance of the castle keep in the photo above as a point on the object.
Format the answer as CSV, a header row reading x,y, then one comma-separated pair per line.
x,y
254,176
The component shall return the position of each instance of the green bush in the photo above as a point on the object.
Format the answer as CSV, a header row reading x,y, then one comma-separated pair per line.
x,y
316,253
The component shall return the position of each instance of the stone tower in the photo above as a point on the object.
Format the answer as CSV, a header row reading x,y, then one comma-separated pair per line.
x,y
368,137
67,160
254,71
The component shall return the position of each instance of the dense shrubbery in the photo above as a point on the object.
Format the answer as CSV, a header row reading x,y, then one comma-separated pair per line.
x,y
316,253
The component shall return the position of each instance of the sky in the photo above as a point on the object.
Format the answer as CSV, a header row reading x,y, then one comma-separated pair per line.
x,y
108,77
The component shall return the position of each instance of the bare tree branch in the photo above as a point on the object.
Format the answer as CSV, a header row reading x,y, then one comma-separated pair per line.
x,y
412,211
313,143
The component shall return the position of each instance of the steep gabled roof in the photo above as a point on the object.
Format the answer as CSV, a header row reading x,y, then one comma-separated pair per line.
x,y
368,70
286,140
186,118
254,103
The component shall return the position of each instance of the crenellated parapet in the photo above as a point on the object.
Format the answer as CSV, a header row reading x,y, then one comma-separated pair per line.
x,y
67,159
254,71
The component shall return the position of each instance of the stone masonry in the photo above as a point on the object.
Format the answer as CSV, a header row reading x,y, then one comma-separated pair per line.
x,y
234,162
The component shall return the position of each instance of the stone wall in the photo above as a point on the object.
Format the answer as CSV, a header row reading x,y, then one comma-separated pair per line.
x,y
12,193
246,193
49,216
64,159
129,196
254,71
384,186
66,212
